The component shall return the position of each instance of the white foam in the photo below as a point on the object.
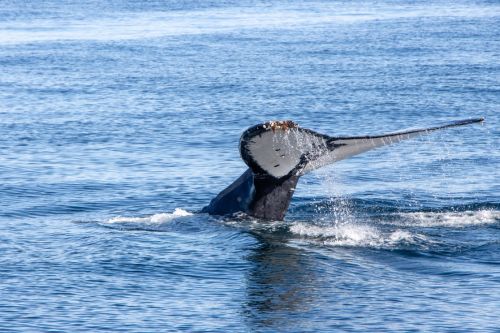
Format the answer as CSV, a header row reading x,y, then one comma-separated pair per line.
x,y
354,235
399,236
451,219
153,219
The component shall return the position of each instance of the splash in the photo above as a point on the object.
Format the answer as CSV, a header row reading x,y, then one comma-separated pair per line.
x,y
355,235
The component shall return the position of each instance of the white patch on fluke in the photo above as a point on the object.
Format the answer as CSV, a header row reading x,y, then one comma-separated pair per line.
x,y
349,147
279,151
156,218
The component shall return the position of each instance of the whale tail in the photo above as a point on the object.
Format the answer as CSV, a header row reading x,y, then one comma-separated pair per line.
x,y
281,149
278,153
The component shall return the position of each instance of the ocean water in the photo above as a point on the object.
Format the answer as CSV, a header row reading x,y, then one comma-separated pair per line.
x,y
120,120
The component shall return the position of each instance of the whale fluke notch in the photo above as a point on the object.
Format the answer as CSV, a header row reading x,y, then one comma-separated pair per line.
x,y
278,153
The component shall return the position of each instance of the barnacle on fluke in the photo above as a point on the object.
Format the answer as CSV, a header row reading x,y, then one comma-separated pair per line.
x,y
281,124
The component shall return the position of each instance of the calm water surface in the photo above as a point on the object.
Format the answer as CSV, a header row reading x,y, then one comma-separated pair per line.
x,y
119,120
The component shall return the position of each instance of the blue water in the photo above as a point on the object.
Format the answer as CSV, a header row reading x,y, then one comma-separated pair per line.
x,y
119,120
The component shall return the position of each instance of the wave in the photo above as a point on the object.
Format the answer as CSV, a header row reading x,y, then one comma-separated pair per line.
x,y
130,26
392,231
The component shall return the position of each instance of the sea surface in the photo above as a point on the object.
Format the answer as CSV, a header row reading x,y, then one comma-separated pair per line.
x,y
120,120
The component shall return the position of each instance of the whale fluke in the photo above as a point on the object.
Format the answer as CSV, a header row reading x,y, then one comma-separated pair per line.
x,y
278,153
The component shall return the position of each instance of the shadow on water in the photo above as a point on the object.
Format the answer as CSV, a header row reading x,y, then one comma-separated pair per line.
x,y
281,287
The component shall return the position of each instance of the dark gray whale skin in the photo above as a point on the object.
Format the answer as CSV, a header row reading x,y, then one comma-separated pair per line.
x,y
263,196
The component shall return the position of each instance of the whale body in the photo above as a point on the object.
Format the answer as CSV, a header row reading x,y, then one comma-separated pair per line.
x,y
278,153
